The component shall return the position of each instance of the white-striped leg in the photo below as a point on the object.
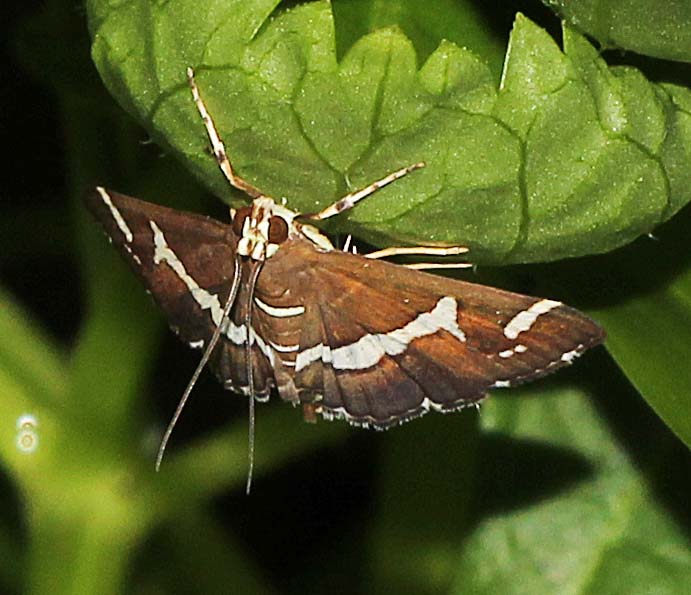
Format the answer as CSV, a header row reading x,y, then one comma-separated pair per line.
x,y
426,266
350,200
349,245
417,251
424,251
217,145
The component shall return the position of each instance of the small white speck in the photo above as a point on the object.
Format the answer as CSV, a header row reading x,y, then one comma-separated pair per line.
x,y
569,356
26,421
27,441
27,435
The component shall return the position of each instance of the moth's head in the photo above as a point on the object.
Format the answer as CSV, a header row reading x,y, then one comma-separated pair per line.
x,y
262,227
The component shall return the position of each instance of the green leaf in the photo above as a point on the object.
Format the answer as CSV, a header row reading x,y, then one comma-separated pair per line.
x,y
660,29
601,146
29,356
426,485
462,22
559,503
567,158
601,532
213,557
649,324
34,382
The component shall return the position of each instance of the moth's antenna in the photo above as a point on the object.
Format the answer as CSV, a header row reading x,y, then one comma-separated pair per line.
x,y
250,372
205,358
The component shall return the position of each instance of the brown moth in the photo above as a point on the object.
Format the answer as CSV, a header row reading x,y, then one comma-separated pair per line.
x,y
276,308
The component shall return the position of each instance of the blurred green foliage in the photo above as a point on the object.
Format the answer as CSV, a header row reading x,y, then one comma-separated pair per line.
x,y
571,485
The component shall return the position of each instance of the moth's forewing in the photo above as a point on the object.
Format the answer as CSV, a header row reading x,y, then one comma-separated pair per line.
x,y
186,261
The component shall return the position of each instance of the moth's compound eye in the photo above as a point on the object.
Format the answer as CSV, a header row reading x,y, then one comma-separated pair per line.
x,y
278,230
239,219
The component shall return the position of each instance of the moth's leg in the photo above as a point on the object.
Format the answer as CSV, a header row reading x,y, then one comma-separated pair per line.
x,y
348,245
424,251
309,412
417,251
217,145
350,200
423,266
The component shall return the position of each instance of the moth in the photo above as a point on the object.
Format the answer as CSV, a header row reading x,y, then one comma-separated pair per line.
x,y
276,308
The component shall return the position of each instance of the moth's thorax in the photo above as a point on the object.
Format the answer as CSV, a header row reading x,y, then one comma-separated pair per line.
x,y
264,226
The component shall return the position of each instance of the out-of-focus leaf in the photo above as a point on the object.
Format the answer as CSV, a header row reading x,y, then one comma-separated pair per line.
x,y
660,29
649,325
280,437
33,383
605,533
213,558
567,158
425,493
29,355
